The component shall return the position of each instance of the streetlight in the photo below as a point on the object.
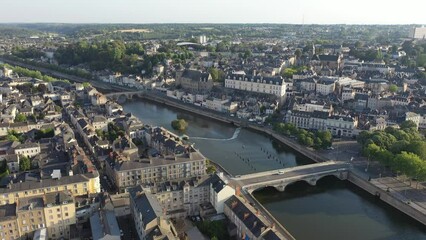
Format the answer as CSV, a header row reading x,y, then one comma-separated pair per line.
x,y
368,163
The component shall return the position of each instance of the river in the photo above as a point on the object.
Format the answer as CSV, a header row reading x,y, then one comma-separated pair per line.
x,y
331,210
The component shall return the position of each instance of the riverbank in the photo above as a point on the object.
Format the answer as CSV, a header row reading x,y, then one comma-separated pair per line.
x,y
392,198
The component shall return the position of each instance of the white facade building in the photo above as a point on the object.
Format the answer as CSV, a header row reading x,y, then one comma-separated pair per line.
x,y
340,126
219,193
28,149
268,85
325,86
418,33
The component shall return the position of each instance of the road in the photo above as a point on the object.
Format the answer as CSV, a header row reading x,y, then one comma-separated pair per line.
x,y
291,173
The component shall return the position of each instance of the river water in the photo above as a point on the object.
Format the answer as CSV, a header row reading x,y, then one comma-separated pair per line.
x,y
331,210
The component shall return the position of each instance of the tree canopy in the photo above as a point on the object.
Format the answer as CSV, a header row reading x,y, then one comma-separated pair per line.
x,y
24,163
403,150
393,88
217,75
20,117
317,139
179,124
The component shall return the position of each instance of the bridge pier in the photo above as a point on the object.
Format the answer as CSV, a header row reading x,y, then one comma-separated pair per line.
x,y
280,188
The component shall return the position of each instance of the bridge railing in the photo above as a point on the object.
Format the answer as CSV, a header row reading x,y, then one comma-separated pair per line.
x,y
288,180
286,170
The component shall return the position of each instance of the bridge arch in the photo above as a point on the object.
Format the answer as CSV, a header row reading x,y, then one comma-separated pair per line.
x,y
312,180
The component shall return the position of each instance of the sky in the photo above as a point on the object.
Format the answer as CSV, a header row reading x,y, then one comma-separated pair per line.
x,y
214,11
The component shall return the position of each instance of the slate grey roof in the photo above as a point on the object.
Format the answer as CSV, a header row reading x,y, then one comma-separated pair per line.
x,y
25,204
58,198
8,144
83,123
29,185
145,203
27,145
249,78
271,235
250,220
218,185
328,58
7,211
195,75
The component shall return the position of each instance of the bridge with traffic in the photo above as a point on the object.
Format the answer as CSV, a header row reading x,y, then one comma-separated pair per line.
x,y
281,178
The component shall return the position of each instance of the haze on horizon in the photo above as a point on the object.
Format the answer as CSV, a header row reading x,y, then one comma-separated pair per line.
x,y
213,11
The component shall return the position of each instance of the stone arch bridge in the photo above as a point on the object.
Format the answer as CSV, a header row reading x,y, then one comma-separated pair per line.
x,y
280,179
123,96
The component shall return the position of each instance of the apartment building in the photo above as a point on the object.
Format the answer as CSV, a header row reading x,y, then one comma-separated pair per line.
x,y
258,84
30,213
219,193
28,149
248,222
182,198
59,212
9,228
78,185
53,212
185,198
342,126
155,169
149,217
194,80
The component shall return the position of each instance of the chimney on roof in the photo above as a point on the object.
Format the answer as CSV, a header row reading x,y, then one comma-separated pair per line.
x,y
238,191
234,204
254,224
138,193
246,215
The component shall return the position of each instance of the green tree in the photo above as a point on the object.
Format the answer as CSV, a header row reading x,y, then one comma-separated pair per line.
x,y
4,169
86,84
393,88
214,229
217,75
298,54
288,72
247,54
418,148
211,168
20,118
179,124
325,137
408,125
12,137
44,133
24,163
421,60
